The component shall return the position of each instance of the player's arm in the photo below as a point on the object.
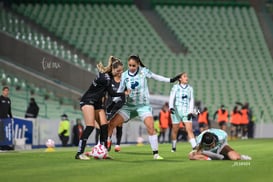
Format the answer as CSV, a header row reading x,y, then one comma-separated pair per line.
x,y
191,102
112,93
198,155
10,114
121,88
212,155
160,78
164,79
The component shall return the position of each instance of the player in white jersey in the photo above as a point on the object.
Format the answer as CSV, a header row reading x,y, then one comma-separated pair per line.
x,y
212,144
181,104
135,80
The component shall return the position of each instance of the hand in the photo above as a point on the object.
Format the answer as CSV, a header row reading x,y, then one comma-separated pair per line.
x,y
172,110
190,116
175,78
127,92
110,107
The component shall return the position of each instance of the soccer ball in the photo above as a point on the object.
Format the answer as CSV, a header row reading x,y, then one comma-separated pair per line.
x,y
50,143
99,152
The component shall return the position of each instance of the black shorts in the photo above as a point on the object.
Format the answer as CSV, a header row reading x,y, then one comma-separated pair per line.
x,y
222,123
226,149
97,105
202,125
235,125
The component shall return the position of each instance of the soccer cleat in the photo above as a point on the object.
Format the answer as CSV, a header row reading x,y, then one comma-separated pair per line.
x,y
245,157
173,150
81,157
157,157
109,143
117,148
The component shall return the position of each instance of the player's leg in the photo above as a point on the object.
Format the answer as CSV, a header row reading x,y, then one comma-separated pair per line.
x,y
191,139
149,123
232,131
114,122
175,128
118,119
66,139
103,126
236,130
118,136
97,127
89,118
231,154
245,130
163,134
160,134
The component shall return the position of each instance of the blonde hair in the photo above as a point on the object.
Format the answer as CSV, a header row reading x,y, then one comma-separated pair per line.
x,y
111,62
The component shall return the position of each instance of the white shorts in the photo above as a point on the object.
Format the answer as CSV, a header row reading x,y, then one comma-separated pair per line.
x,y
131,111
179,116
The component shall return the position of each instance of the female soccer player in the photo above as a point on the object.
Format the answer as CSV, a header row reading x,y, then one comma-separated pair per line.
x,y
212,145
181,106
92,100
111,110
135,80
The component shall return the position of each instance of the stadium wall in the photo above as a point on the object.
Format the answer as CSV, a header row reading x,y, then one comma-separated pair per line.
x,y
48,129
44,63
133,132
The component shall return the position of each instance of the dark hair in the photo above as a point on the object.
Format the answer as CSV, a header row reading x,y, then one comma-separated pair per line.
x,y
137,59
179,75
208,139
5,87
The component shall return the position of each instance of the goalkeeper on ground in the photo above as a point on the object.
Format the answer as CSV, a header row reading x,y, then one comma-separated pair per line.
x,y
212,145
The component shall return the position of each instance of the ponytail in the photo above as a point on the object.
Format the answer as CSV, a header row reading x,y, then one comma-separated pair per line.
x,y
112,62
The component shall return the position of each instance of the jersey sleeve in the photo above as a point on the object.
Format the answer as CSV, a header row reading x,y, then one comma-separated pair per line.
x,y
160,78
121,88
191,101
149,74
112,93
172,97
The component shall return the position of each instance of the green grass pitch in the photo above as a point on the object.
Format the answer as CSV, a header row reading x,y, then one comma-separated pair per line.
x,y
135,163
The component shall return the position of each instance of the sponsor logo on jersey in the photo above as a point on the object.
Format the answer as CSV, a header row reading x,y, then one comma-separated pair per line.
x,y
134,84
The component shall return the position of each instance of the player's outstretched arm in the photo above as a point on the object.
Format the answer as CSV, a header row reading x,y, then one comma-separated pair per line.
x,y
197,155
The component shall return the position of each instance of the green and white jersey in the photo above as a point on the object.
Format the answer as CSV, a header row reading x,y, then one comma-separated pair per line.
x,y
137,83
222,139
181,99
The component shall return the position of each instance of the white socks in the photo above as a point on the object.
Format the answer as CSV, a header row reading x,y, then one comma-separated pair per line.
x,y
173,144
192,142
153,142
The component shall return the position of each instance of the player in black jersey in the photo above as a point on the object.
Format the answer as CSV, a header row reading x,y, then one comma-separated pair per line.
x,y
91,100
112,109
